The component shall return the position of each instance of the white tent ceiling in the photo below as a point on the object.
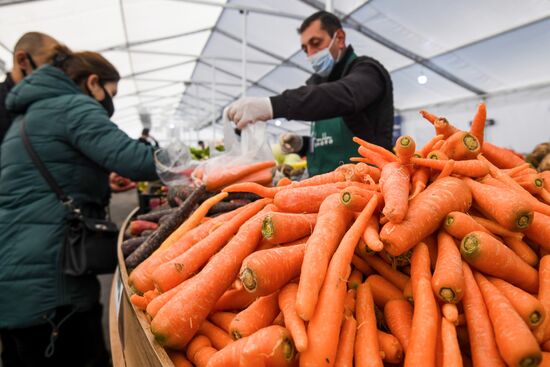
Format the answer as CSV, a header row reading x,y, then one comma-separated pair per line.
x,y
181,60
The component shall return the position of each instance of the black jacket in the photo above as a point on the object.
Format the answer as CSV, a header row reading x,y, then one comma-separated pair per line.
x,y
361,93
5,116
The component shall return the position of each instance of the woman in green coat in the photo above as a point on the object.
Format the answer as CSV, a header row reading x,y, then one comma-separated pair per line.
x,y
52,318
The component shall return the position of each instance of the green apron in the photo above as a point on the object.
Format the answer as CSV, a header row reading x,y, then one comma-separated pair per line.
x,y
331,143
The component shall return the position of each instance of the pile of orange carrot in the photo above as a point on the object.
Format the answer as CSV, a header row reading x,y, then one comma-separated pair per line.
x,y
429,256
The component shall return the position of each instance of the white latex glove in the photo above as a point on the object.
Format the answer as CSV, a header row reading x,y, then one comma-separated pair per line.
x,y
249,110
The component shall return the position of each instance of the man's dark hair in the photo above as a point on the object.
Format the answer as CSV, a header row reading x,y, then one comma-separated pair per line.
x,y
329,22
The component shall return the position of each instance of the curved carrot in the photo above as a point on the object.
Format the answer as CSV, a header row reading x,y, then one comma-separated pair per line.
x,y
266,271
444,127
527,306
222,319
522,249
426,211
139,301
500,157
491,256
478,123
459,224
470,168
516,343
192,304
258,315
287,227
451,349
390,348
218,337
367,348
223,177
372,236
235,299
399,314
480,330
448,168
323,328
429,146
450,311
394,184
428,116
421,349
404,149
419,181
332,222
158,302
448,279
394,276
386,154
371,157
382,290
294,324
346,343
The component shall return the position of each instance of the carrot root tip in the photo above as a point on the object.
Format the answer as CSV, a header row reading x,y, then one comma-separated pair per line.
x,y
470,245
524,220
289,350
447,294
236,335
535,318
248,278
539,182
470,142
530,361
449,220
433,155
267,227
405,141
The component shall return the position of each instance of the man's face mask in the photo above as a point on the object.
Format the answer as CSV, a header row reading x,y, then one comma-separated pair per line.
x,y
323,62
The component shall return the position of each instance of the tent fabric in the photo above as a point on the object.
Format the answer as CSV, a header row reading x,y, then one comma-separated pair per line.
x,y
181,60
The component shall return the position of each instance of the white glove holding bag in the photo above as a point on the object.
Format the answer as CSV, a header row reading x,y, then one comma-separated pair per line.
x,y
248,110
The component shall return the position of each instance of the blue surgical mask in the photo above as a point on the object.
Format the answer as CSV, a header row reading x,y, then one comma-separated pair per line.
x,y
322,61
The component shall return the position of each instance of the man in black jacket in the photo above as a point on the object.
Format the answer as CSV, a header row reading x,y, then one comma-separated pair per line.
x,y
30,52
347,96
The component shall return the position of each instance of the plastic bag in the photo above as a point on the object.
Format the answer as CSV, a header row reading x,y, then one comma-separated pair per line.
x,y
174,164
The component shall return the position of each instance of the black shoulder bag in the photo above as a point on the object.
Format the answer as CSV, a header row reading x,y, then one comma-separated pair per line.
x,y
90,244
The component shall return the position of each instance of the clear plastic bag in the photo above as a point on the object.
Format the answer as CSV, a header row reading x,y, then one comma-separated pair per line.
x,y
174,164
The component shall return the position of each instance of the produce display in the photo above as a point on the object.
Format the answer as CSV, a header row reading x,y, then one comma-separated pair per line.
x,y
434,256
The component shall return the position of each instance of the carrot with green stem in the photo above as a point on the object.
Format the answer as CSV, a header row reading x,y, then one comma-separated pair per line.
x,y
437,154
522,249
287,227
346,343
478,123
222,319
526,305
394,276
421,350
480,330
459,224
332,222
491,256
448,279
451,350
505,206
182,267
294,324
371,236
367,348
258,315
469,168
324,327
516,343
399,314
264,272
217,179
425,213
394,184
192,304
382,290
218,337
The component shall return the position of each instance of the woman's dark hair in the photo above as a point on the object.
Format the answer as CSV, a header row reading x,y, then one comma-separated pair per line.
x,y
80,65
329,22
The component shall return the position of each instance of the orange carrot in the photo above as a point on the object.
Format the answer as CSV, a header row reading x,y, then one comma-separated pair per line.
x,y
367,348
355,279
193,220
346,343
262,177
437,154
496,228
200,350
461,145
478,123
404,149
408,292
285,181
286,227
426,211
450,311
421,349
355,198
190,306
505,206
520,170
516,344
372,236
394,184
448,279
235,299
178,358
399,314
361,265
182,267
332,222
542,333
390,348
533,183
480,330
279,320
324,327
222,319
382,290
522,249
270,346
459,224
368,156
266,271
428,116
527,306
139,301
394,276
386,154
545,196
156,304
223,177
363,171
448,168
539,230
491,256
500,157
545,359
258,315
451,349
349,303
470,168
218,337
294,324
429,146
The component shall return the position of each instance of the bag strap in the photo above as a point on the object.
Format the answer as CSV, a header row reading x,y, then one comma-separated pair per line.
x,y
66,200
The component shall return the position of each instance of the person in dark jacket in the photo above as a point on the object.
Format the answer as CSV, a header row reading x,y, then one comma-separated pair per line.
x,y
52,318
29,53
348,96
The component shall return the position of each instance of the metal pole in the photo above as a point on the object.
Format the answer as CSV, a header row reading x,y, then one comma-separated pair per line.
x,y
244,13
328,5
213,103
